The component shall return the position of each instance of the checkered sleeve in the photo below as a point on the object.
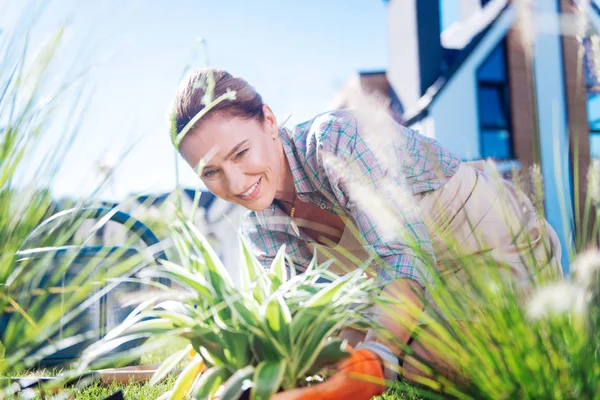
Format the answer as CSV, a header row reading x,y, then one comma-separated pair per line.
x,y
377,198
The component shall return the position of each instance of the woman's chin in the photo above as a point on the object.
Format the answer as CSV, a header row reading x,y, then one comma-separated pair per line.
x,y
259,204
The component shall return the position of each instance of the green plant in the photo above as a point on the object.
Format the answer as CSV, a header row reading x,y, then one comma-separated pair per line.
x,y
277,331
23,121
42,297
545,348
545,345
502,341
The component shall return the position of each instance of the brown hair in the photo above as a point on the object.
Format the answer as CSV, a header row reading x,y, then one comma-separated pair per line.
x,y
247,103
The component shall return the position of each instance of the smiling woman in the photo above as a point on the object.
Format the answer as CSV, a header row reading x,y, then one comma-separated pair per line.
x,y
247,156
413,204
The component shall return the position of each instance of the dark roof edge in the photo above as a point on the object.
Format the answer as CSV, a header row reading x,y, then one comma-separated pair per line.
x,y
372,72
420,112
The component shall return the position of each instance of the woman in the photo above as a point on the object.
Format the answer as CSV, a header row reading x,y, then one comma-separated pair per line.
x,y
304,187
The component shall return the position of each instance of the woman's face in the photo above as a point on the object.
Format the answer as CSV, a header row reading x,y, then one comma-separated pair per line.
x,y
246,158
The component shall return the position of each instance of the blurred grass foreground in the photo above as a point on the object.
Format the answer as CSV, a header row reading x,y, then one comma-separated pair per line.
x,y
69,305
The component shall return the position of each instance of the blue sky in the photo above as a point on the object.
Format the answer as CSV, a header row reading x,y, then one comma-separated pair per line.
x,y
297,54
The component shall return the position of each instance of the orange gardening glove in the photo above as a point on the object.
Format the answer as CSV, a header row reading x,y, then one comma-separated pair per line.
x,y
358,377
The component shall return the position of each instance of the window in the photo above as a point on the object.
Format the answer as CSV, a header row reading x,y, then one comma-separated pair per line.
x,y
494,106
594,121
592,81
449,13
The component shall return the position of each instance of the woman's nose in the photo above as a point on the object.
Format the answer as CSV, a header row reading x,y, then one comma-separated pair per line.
x,y
236,182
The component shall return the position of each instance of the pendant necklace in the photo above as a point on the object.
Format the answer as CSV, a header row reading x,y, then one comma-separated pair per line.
x,y
292,213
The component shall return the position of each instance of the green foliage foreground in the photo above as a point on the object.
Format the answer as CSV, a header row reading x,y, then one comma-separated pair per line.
x,y
279,330
275,332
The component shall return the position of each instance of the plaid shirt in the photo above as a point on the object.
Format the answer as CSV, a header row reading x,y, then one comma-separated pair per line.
x,y
422,166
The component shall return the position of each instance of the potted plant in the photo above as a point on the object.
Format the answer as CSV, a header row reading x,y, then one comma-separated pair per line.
x,y
276,332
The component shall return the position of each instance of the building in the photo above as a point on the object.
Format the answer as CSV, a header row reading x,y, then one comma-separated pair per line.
x,y
504,82
216,219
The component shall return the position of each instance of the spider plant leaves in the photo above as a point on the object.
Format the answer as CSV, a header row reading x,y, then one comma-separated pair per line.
x,y
238,382
313,264
210,345
269,332
268,377
277,270
104,347
183,384
3,362
244,308
151,327
331,353
277,317
292,267
252,273
169,364
195,282
177,319
264,349
302,320
215,272
237,347
212,358
209,382
220,316
328,294
313,307
314,342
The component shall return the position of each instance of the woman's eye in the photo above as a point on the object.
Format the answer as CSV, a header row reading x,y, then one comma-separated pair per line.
x,y
241,154
209,173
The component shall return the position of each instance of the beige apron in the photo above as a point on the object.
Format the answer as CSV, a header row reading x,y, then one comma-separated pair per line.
x,y
485,217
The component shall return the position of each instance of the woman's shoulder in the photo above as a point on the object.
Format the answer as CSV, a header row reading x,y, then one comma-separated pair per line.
x,y
329,120
341,127
328,130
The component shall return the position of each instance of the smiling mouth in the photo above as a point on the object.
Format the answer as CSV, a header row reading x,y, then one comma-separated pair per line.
x,y
251,190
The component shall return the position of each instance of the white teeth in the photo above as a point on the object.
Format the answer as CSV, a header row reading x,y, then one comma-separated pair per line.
x,y
249,191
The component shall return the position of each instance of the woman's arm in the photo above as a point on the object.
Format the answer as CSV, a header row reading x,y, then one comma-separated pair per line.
x,y
377,197
399,318
398,315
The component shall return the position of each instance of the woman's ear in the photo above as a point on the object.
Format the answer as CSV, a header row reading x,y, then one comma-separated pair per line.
x,y
270,122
